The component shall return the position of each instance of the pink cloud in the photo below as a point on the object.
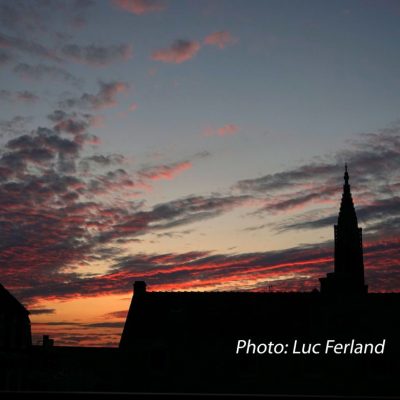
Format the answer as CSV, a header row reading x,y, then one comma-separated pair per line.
x,y
140,7
167,172
133,106
220,39
226,130
179,52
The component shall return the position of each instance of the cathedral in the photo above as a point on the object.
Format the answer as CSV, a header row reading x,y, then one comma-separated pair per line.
x,y
348,276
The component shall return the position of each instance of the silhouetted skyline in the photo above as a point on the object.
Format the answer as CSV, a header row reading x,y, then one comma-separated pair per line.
x,y
193,145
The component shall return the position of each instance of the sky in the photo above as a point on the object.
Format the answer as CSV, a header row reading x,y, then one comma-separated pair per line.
x,y
196,145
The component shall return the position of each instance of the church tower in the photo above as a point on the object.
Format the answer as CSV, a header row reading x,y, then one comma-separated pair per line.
x,y
348,275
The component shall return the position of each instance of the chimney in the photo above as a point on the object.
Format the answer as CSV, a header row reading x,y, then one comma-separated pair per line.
x,y
47,342
139,289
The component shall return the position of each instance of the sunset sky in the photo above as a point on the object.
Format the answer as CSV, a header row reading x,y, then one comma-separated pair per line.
x,y
196,145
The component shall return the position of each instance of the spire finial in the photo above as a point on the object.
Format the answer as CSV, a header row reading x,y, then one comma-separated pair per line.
x,y
346,175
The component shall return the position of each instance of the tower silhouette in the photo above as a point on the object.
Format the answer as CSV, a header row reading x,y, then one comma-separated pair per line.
x,y
348,275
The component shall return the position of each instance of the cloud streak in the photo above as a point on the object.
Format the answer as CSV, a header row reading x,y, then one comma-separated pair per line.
x,y
167,172
225,130
44,72
220,39
140,7
104,98
179,52
98,56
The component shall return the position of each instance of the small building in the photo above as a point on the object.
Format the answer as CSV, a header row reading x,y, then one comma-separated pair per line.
x,y
15,326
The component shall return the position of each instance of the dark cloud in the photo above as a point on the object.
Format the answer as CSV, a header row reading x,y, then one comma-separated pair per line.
x,y
286,179
179,52
42,71
24,96
106,325
27,46
14,126
57,217
117,314
374,162
382,211
20,15
41,311
104,98
30,17
102,160
97,55
73,123
5,57
172,214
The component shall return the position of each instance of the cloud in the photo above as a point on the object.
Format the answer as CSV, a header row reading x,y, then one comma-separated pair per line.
x,y
91,54
30,17
184,50
14,126
285,179
41,71
226,130
41,311
5,57
133,107
179,52
374,162
59,217
97,55
30,47
24,96
73,123
104,98
385,211
117,314
220,39
164,171
140,7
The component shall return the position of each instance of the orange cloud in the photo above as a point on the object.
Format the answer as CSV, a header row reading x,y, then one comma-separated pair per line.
x,y
226,130
140,7
179,52
220,39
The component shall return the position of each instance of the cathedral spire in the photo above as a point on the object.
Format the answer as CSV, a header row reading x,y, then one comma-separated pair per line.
x,y
347,213
348,275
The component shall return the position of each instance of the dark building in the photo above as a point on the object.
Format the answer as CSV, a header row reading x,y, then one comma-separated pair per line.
x,y
348,276
15,326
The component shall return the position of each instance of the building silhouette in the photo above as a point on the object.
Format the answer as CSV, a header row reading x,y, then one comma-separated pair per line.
x,y
348,275
15,326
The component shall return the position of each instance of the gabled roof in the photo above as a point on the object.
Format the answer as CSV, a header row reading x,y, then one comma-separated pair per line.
x,y
9,304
